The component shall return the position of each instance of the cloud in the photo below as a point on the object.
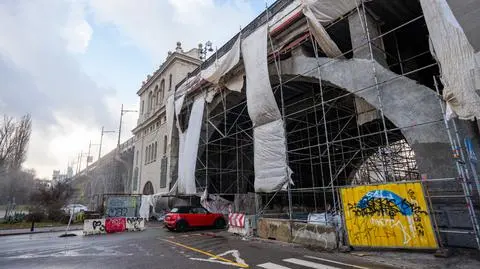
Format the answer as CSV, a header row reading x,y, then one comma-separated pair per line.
x,y
41,42
157,25
39,74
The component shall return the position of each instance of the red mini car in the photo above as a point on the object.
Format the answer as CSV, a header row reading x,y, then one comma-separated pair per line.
x,y
184,217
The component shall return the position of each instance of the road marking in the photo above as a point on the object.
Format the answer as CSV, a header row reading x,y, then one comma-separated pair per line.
x,y
270,265
235,253
243,265
309,264
336,262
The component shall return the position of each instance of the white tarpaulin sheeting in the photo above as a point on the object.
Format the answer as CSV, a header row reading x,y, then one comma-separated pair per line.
x,y
170,111
181,135
189,148
456,57
147,201
221,66
270,157
268,133
324,11
261,104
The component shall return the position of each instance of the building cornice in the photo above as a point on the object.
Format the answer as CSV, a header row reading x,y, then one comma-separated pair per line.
x,y
154,116
170,60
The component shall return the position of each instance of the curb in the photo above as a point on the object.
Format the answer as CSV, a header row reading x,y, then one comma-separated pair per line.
x,y
39,232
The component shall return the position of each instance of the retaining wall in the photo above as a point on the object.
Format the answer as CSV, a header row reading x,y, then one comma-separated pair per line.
x,y
297,232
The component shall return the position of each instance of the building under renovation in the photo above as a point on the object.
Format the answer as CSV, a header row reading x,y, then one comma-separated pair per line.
x,y
315,96
362,115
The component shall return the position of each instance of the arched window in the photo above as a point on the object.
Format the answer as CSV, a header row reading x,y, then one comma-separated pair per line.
x,y
170,82
138,157
150,101
135,179
165,141
162,91
155,97
146,154
148,189
152,151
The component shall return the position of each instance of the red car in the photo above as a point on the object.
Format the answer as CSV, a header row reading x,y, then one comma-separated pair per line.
x,y
184,217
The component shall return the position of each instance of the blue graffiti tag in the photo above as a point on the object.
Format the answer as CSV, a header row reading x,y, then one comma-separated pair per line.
x,y
404,207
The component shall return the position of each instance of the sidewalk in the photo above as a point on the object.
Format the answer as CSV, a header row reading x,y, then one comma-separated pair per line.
x,y
39,230
460,259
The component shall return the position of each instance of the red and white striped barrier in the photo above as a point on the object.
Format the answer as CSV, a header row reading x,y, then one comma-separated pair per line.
x,y
236,220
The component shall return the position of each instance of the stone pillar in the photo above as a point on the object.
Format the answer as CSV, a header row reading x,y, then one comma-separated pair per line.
x,y
359,36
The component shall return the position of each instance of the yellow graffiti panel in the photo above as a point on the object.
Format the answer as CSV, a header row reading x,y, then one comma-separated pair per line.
x,y
388,215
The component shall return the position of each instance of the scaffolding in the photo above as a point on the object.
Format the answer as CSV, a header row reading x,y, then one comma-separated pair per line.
x,y
327,146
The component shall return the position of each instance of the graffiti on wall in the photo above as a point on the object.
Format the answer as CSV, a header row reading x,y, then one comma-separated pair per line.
x,y
94,226
135,224
113,225
122,206
388,215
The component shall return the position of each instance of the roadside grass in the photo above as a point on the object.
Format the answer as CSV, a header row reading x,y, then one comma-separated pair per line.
x,y
25,225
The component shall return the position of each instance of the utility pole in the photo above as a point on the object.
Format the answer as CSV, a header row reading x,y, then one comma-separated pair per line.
x,y
101,141
80,161
90,158
122,111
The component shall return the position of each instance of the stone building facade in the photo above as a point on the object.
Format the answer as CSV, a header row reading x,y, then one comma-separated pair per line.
x,y
152,165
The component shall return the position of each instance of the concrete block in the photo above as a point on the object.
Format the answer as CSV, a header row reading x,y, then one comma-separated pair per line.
x,y
275,229
94,226
314,235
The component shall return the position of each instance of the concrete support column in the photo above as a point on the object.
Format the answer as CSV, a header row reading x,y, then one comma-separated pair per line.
x,y
358,35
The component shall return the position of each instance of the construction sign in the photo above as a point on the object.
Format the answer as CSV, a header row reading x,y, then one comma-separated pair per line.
x,y
393,215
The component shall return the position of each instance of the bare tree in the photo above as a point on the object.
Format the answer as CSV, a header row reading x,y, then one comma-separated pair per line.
x,y
14,138
23,130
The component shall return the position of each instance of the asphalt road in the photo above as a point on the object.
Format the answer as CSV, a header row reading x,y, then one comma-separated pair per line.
x,y
158,248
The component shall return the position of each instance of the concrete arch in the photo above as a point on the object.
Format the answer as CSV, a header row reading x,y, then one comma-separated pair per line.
x,y
407,104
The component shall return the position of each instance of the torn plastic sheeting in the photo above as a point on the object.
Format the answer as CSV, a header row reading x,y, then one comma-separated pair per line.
x,y
328,10
261,104
170,111
270,163
215,203
181,136
318,11
188,156
456,57
235,83
285,14
221,66
147,201
270,157
189,85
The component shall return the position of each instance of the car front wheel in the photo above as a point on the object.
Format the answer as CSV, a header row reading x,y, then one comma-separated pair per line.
x,y
181,226
220,223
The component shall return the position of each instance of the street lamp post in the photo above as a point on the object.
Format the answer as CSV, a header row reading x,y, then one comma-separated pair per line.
x,y
204,49
122,111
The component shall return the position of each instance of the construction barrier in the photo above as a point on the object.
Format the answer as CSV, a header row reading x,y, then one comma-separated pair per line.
x,y
241,224
388,215
236,220
112,225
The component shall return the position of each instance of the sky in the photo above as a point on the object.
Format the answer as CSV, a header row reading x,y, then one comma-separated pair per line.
x,y
72,63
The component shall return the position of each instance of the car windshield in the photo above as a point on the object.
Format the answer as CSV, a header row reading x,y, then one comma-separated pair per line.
x,y
180,210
